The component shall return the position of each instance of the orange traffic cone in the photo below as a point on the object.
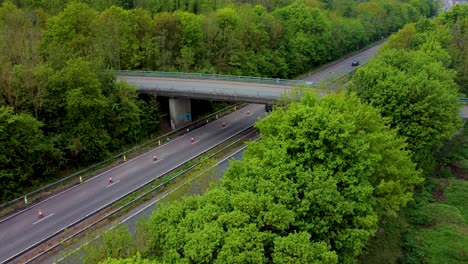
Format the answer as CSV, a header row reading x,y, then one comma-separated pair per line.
x,y
155,158
110,179
191,139
39,213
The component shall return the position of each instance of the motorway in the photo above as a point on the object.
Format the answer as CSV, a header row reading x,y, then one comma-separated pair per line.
x,y
25,229
342,67
143,211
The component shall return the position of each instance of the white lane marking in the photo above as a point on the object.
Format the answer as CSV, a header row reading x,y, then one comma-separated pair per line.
x,y
154,162
196,141
43,218
157,200
180,164
76,186
225,126
112,184
152,203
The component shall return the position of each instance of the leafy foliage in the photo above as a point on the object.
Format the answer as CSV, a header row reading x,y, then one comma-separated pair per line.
x,y
26,156
320,175
55,71
137,259
417,93
456,20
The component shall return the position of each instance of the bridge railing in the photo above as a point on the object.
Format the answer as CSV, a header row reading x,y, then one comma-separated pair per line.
x,y
215,77
257,95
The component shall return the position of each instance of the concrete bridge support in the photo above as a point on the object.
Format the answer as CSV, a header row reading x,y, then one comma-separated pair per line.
x,y
180,112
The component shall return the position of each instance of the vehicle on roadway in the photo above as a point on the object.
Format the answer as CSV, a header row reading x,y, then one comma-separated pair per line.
x,y
355,63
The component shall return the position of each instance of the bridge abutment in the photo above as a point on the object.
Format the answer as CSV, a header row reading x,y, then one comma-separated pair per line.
x,y
180,112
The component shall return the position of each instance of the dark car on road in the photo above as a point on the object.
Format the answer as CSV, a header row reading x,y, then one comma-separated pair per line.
x,y
355,63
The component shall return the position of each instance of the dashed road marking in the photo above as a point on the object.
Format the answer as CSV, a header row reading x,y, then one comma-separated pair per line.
x,y
112,184
43,218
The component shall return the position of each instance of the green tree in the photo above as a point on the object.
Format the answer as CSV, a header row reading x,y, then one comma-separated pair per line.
x,y
191,41
417,93
27,157
17,61
137,259
118,37
150,114
348,34
69,35
222,39
114,243
297,248
307,37
123,115
166,41
312,190
84,110
456,20
24,30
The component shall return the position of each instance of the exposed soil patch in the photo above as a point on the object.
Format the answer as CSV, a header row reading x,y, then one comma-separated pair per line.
x,y
438,194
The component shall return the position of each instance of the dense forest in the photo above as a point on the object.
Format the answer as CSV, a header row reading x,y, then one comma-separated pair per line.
x,y
328,169
61,107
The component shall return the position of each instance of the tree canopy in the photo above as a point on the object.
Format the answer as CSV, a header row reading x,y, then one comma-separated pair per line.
x,y
312,190
415,90
56,69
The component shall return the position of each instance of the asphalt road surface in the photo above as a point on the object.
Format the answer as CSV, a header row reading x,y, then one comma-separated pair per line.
x,y
131,220
135,215
25,229
343,67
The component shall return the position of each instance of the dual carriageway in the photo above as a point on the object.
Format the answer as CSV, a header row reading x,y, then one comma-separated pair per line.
x,y
23,230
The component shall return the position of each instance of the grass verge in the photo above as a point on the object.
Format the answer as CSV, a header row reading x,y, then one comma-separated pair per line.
x,y
433,228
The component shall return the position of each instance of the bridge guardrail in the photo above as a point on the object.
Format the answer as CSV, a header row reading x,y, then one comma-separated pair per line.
x,y
219,77
212,91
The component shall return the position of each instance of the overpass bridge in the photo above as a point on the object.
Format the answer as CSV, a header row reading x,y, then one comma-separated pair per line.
x,y
180,87
211,86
